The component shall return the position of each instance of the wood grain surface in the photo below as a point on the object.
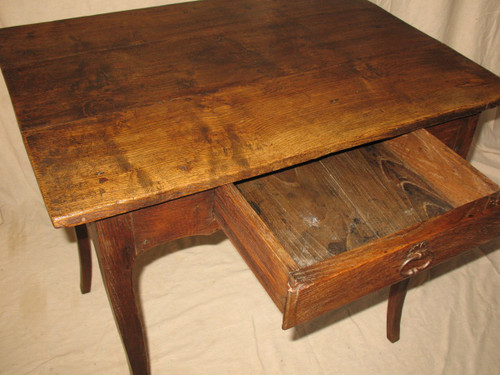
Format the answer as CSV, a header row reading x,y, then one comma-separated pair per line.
x,y
457,135
126,110
339,280
114,244
187,216
444,170
258,246
340,202
352,220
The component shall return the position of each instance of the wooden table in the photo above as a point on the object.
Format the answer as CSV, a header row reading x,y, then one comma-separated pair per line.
x,y
138,123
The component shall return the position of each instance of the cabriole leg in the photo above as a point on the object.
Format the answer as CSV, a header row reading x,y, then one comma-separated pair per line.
x,y
115,250
397,296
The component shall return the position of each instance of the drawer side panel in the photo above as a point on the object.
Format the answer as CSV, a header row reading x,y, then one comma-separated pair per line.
x,y
256,244
456,180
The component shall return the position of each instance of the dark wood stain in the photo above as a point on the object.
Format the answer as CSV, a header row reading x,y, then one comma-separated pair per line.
x,y
193,96
139,123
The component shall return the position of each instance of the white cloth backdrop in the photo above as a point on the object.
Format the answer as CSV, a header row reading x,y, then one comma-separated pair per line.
x,y
205,312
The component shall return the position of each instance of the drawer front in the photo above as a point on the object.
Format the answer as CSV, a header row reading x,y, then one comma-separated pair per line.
x,y
337,281
324,234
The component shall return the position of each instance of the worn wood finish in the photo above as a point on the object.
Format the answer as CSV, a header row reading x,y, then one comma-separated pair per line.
x,y
338,203
131,118
188,216
127,110
397,294
263,253
428,157
114,243
390,210
84,257
456,134
119,240
183,217
351,275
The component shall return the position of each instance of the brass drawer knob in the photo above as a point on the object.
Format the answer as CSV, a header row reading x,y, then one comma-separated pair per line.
x,y
419,257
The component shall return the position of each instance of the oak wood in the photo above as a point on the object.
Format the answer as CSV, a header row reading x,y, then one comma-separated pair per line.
x,y
114,243
123,29
84,258
119,240
457,134
183,217
338,203
428,157
322,287
397,294
128,110
380,205
140,113
259,248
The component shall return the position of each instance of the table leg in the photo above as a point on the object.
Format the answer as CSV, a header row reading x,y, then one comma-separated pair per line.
x,y
114,240
397,296
85,258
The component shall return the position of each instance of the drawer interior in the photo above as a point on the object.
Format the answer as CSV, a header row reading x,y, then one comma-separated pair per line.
x,y
353,217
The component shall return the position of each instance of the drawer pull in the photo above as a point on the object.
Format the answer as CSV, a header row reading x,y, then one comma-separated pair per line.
x,y
419,252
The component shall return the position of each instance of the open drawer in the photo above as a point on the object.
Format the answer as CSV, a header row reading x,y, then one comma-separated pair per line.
x,y
325,233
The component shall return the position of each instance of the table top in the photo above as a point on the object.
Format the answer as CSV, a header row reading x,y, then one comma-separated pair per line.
x,y
125,110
